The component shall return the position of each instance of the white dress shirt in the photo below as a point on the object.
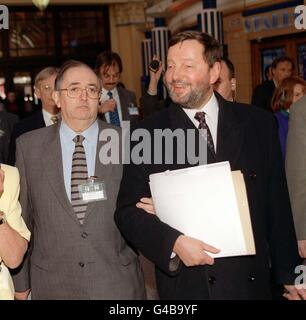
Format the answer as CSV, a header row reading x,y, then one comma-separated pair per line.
x,y
105,97
211,109
47,117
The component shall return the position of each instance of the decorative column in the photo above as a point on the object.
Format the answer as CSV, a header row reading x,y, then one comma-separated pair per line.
x,y
147,53
210,20
160,40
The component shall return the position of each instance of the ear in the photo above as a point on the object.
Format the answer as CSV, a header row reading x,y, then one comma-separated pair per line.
x,y
214,73
37,92
55,97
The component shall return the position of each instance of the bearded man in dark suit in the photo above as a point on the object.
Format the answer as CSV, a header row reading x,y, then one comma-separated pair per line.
x,y
247,138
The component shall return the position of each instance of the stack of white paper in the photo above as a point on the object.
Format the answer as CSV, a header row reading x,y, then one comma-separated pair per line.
x,y
202,203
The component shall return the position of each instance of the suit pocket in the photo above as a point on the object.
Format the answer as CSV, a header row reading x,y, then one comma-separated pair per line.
x,y
127,256
40,263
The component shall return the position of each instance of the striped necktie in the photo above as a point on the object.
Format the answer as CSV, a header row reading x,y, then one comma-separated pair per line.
x,y
54,119
79,175
113,115
200,116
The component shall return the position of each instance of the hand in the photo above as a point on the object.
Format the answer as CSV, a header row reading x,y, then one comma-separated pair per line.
x,y
22,295
293,292
2,176
146,204
302,248
154,77
192,251
106,106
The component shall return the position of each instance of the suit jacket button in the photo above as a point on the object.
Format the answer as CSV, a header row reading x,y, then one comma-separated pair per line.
x,y
81,264
251,278
84,235
212,280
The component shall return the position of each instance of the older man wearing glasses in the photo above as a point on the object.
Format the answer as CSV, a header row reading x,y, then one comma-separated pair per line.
x,y
77,251
48,115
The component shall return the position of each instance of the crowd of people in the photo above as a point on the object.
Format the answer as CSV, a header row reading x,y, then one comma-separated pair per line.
x,y
63,239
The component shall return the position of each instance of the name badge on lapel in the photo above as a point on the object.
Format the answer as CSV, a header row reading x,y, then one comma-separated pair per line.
x,y
92,190
133,111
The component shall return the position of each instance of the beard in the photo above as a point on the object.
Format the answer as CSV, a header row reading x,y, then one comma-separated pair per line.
x,y
194,99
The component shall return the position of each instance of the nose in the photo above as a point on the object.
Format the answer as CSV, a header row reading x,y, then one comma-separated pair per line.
x,y
84,94
177,73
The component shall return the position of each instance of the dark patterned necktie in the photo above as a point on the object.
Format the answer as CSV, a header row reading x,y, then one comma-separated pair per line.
x,y
113,115
200,116
79,175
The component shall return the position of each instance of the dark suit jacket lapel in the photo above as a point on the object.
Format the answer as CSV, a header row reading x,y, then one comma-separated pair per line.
x,y
40,122
103,172
52,162
124,104
229,133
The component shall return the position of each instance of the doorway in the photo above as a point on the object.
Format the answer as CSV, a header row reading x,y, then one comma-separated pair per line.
x,y
264,51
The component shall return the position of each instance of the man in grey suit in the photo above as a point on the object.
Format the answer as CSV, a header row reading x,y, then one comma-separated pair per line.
x,y
76,251
296,170
117,104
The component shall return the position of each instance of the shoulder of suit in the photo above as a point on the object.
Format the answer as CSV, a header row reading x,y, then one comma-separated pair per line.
x,y
266,85
159,119
37,134
28,124
125,91
104,125
299,107
250,114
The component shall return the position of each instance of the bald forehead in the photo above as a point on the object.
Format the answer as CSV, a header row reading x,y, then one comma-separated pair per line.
x,y
80,75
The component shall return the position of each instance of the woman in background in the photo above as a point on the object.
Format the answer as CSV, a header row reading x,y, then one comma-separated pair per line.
x,y
289,91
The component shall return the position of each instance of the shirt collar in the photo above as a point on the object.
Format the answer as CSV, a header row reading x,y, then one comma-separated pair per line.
x,y
90,134
48,114
113,91
211,108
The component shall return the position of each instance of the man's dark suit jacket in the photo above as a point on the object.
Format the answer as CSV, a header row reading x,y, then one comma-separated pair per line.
x,y
247,138
263,94
151,104
36,121
126,97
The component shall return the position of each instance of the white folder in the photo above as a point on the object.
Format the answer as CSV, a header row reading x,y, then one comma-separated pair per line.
x,y
207,202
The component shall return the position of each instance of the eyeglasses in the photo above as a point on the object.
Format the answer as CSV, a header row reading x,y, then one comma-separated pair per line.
x,y
76,92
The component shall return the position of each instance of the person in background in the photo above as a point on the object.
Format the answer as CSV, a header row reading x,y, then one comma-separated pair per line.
x,y
296,170
12,105
282,67
117,104
268,72
14,235
289,91
150,102
226,84
48,115
7,122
